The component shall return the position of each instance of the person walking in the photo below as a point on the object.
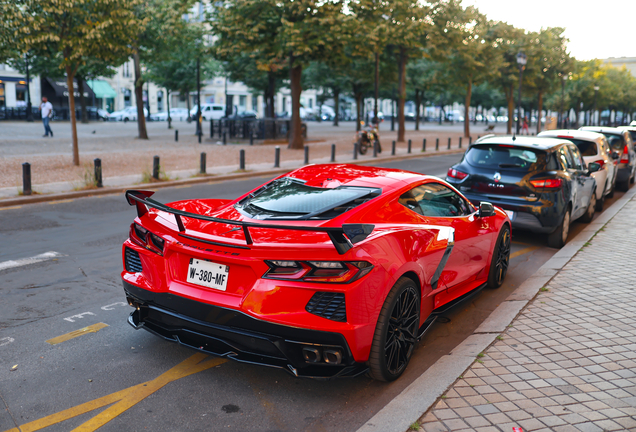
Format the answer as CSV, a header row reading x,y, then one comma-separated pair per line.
x,y
525,126
47,112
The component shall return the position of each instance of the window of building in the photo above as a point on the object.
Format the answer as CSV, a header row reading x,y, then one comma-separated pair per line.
x,y
243,101
254,103
160,100
126,70
20,95
127,98
2,97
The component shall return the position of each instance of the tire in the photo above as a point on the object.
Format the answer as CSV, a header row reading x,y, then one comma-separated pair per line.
x,y
591,208
611,192
559,236
363,146
395,332
623,186
500,259
126,120
600,203
377,143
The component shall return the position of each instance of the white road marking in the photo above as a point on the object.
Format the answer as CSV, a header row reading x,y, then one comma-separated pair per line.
x,y
6,341
78,316
26,261
111,306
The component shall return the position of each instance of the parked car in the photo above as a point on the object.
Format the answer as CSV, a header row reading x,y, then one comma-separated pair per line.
x,y
244,115
542,183
330,270
621,141
98,113
127,114
176,114
632,132
209,111
594,148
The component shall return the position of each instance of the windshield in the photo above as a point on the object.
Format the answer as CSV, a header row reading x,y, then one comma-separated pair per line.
x,y
587,148
505,156
615,141
290,198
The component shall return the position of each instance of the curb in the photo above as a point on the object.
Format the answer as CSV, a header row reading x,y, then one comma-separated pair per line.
x,y
415,400
10,202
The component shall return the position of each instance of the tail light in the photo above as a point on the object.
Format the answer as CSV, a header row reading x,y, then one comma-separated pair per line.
x,y
317,271
453,173
601,162
625,157
547,183
144,238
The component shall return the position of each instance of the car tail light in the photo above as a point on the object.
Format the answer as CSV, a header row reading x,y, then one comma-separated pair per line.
x,y
547,183
453,173
317,271
625,158
601,162
144,238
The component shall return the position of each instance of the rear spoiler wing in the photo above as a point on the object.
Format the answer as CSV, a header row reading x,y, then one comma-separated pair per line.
x,y
343,238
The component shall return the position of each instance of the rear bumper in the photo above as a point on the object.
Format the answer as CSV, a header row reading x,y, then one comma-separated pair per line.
x,y
229,333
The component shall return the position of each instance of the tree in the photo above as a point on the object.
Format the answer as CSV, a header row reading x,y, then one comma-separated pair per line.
x,y
299,31
77,29
422,76
331,80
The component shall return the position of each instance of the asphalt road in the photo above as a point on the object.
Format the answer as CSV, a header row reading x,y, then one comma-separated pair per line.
x,y
80,365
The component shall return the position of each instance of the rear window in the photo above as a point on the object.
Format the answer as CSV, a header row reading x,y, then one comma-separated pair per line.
x,y
615,141
504,156
587,148
290,198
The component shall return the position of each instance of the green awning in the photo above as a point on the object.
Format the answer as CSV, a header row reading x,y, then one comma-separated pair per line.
x,y
102,89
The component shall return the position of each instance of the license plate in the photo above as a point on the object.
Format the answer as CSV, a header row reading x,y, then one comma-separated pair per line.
x,y
208,274
511,214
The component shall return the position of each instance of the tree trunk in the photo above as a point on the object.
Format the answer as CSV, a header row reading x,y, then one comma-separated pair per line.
x,y
71,109
336,99
469,93
418,101
295,134
358,97
80,89
401,94
139,98
376,89
510,97
168,105
540,108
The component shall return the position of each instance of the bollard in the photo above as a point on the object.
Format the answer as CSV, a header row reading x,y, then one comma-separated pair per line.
x,y
224,138
436,144
251,139
333,152
155,168
477,136
393,148
355,151
460,142
306,155
408,149
176,134
98,172
424,145
203,168
277,157
242,160
375,149
449,141
470,140
211,128
26,178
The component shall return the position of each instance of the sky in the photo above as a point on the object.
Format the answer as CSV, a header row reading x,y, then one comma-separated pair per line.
x,y
596,29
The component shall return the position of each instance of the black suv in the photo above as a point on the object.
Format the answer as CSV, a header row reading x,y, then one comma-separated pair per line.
x,y
542,183
620,140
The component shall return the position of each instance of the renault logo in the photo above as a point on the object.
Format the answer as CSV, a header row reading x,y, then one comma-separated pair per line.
x,y
497,177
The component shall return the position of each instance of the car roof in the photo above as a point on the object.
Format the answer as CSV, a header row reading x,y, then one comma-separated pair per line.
x,y
603,129
573,133
524,141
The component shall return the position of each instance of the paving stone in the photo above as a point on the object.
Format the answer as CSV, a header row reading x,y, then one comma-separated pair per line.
x,y
435,427
552,421
467,412
497,418
588,427
531,424
476,422
626,422
445,414
608,425
455,424
486,409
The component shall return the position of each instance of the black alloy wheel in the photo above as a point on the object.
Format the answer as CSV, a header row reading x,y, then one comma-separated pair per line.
x,y
500,259
363,146
396,332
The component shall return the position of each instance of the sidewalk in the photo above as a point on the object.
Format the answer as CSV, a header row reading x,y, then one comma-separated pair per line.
x,y
568,360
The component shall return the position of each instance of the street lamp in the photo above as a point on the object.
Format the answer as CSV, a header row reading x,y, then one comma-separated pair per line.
x,y
561,113
521,61
596,89
29,113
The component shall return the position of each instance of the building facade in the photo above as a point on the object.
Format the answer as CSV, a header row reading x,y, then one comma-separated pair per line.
x,y
13,89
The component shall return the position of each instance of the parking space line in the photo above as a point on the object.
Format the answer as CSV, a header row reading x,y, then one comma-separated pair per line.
x,y
523,251
31,260
75,333
11,208
123,399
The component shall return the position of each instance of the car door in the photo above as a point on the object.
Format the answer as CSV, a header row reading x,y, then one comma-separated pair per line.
x,y
584,180
440,205
571,175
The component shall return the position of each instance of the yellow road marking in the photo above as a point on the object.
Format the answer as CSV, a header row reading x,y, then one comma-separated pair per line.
x,y
123,399
75,333
61,201
10,208
523,251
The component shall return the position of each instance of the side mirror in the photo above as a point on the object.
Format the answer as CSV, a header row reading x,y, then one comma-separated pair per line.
x,y
593,167
486,209
615,155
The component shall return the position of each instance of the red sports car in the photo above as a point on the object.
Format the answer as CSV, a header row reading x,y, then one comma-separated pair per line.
x,y
329,270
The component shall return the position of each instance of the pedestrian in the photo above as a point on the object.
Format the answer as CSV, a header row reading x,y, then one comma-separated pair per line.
x,y
525,126
47,112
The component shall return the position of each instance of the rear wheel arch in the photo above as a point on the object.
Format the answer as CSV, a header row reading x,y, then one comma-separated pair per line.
x,y
414,277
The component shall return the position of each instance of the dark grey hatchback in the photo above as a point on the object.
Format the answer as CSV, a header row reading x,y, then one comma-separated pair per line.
x,y
542,183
